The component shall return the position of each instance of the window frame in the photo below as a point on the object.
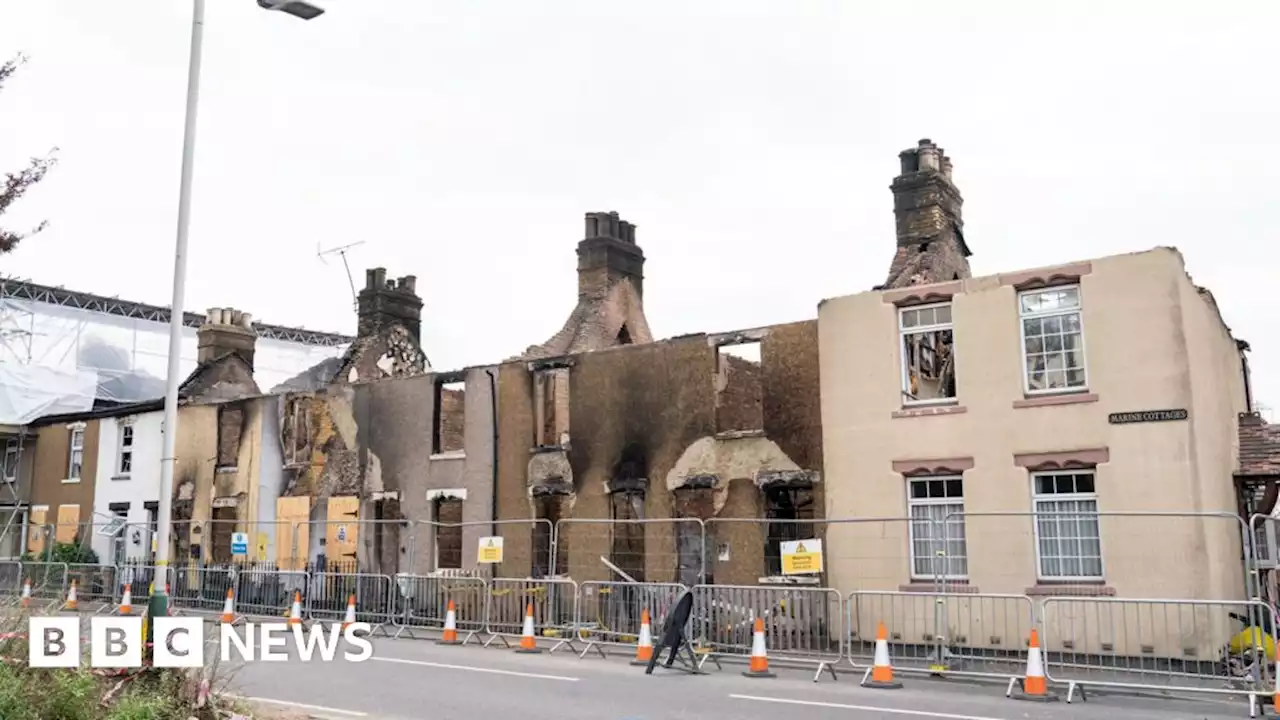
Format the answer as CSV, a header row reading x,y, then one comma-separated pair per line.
x,y
1022,338
903,376
11,444
911,526
1037,497
122,450
72,447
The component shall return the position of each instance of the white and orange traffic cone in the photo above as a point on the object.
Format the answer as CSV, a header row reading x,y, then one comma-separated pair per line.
x,y
881,673
528,643
126,600
351,612
1034,685
229,607
759,667
644,650
26,593
295,612
450,636
71,597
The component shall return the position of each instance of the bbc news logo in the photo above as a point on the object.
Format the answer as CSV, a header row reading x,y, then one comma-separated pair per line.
x,y
117,642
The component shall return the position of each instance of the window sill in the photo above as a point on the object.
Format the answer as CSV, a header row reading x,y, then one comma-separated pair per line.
x,y
226,469
958,587
548,449
70,481
1072,398
1071,589
449,455
929,411
125,476
738,434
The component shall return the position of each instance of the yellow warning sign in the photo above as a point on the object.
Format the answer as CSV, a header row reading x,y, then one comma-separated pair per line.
x,y
261,548
490,550
801,557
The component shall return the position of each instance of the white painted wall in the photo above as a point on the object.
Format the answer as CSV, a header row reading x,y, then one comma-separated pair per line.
x,y
140,486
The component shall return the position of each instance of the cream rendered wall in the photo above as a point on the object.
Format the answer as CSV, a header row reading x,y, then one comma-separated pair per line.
x,y
1151,343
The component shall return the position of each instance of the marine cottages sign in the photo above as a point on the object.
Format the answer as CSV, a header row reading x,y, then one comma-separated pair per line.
x,y
1143,416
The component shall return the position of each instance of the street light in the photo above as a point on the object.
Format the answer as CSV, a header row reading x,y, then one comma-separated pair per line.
x,y
159,603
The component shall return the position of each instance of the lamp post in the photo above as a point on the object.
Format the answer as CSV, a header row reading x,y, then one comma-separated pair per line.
x,y
159,602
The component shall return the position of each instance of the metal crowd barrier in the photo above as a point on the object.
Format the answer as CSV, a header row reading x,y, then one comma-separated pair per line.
x,y
609,613
331,593
422,601
962,634
803,625
10,577
554,603
267,592
48,580
1192,646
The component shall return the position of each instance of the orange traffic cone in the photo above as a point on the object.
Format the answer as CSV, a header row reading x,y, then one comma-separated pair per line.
x,y
528,644
881,673
351,612
295,612
26,593
1034,685
126,600
644,651
450,627
759,656
71,597
229,607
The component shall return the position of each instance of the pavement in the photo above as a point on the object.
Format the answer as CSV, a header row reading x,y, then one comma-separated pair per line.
x,y
415,679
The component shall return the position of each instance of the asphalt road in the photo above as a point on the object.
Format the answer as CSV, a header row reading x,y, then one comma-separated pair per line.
x,y
417,679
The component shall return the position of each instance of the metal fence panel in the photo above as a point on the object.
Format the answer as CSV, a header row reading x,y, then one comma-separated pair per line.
x,y
802,624
48,580
966,634
553,602
657,550
201,588
423,601
269,592
94,583
10,577
1187,645
331,593
609,613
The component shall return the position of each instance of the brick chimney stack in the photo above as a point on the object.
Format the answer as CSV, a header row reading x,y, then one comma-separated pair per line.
x,y
225,330
383,303
607,254
931,244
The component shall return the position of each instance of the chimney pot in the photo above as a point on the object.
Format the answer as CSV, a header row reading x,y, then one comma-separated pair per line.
x,y
246,321
601,263
408,283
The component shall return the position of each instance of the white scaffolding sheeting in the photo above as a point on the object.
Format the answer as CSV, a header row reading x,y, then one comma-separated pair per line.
x,y
125,356
28,392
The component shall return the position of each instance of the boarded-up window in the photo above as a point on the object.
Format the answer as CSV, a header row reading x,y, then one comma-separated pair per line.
x,y
68,523
292,533
548,509
628,533
449,536
230,425
223,527
38,530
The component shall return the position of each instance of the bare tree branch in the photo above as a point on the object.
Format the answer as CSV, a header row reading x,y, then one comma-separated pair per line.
x,y
17,184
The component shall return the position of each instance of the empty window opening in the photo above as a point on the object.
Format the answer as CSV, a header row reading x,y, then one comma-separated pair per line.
x,y
1053,340
624,336
449,534
548,509
230,426
695,555
551,396
124,465
739,388
627,551
221,532
936,505
448,431
789,511
928,354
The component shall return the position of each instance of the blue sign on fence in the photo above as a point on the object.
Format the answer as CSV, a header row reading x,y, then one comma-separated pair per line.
x,y
239,543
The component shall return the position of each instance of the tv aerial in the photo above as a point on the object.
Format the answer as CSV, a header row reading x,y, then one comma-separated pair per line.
x,y
341,251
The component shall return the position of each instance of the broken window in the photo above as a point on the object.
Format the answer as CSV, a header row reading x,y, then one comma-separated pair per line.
x,y
551,395
1052,339
787,510
739,388
928,354
624,336
448,432
627,552
296,432
549,508
11,456
230,425
448,535
124,462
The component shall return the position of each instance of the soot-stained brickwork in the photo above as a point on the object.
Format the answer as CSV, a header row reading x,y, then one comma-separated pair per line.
x,y
931,247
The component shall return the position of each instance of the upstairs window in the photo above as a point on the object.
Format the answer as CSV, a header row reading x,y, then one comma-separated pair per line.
x,y
11,456
125,463
928,354
1052,340
75,462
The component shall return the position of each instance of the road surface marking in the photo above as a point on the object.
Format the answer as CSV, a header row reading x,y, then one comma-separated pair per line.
x,y
301,706
424,663
872,708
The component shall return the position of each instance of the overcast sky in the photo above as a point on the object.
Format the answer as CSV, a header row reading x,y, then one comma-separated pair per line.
x,y
752,143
